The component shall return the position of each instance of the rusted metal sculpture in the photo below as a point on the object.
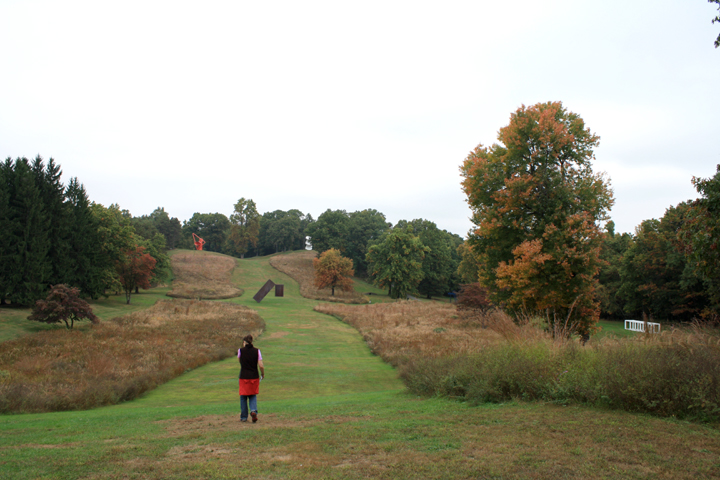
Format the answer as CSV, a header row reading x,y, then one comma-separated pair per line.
x,y
269,285
199,242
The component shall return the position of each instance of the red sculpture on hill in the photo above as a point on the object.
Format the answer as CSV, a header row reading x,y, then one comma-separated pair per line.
x,y
199,242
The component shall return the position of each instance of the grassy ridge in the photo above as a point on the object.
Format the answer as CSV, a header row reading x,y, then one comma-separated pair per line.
x,y
330,409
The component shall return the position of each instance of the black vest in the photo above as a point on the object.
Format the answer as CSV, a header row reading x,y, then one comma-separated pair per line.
x,y
248,362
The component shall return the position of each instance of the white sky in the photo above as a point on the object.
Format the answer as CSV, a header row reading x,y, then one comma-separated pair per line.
x,y
373,104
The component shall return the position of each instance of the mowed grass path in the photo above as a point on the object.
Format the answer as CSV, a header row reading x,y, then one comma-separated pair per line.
x,y
330,409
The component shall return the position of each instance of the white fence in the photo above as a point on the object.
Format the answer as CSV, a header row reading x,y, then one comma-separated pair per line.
x,y
639,326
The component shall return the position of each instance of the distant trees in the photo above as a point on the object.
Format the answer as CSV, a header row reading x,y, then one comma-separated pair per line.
x,y
211,227
395,262
536,203
441,259
281,231
700,235
62,304
333,270
244,228
147,226
350,233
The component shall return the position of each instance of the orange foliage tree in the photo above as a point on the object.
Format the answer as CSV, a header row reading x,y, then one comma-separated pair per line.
x,y
135,269
333,270
536,204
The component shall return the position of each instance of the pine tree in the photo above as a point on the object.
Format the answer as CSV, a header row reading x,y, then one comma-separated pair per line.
x,y
29,263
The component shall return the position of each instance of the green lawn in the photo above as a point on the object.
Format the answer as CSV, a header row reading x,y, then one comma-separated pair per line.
x,y
14,322
331,409
614,327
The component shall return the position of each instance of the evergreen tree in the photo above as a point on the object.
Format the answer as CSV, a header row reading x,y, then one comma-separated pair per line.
x,y
29,267
86,270
52,195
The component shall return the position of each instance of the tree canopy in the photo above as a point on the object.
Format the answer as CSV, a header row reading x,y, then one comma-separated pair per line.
x,y
62,304
536,204
333,270
395,262
244,228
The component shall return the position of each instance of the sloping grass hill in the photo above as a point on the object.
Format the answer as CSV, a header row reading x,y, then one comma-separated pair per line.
x,y
329,408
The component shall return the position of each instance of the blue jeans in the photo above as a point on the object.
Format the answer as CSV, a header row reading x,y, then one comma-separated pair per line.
x,y
244,405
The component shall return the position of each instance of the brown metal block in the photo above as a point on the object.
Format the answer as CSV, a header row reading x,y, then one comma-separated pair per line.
x,y
263,291
279,290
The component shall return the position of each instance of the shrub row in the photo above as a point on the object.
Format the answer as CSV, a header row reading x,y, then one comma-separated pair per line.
x,y
661,378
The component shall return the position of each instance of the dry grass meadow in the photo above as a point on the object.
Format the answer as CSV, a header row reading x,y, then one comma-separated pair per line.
x,y
203,275
406,328
118,360
299,266
489,357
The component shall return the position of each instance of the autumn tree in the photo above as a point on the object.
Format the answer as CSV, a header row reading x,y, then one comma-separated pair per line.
x,y
395,262
63,304
536,204
244,228
333,270
135,269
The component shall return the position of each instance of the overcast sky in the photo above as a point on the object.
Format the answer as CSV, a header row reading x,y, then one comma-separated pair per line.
x,y
351,105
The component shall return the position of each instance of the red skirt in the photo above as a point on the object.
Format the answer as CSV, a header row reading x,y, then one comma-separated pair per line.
x,y
249,386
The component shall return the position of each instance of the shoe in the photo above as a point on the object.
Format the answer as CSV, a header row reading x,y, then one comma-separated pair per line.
x,y
254,416
243,419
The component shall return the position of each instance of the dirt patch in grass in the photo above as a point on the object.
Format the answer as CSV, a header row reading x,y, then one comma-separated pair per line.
x,y
299,266
203,275
118,360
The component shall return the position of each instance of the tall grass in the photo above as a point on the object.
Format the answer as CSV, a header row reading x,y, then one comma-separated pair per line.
x,y
299,266
203,275
492,357
119,360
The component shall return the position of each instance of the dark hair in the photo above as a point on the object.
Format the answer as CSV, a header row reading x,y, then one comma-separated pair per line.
x,y
248,339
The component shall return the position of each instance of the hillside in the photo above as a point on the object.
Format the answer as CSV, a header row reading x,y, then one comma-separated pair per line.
x,y
329,408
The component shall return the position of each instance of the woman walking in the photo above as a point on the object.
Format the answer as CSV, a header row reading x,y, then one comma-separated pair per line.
x,y
250,360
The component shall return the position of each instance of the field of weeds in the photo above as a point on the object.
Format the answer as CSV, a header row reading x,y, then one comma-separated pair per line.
x,y
299,266
203,275
404,329
490,357
120,359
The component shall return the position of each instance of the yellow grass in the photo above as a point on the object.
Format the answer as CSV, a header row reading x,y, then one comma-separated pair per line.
x,y
118,360
398,330
299,266
203,275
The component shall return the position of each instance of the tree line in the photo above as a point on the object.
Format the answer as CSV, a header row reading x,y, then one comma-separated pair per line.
x,y
429,271
53,234
668,268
